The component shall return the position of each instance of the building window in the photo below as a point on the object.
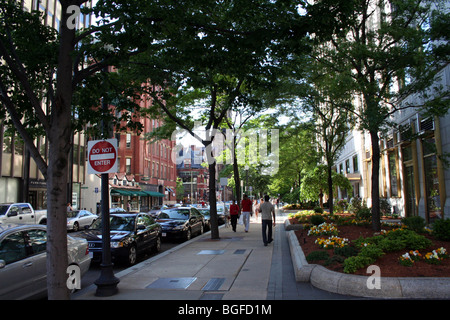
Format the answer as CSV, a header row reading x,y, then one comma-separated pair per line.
x,y
431,180
128,166
393,174
128,140
347,166
355,164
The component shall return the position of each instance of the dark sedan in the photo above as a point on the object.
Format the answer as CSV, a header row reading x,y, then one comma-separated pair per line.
x,y
181,222
207,216
131,234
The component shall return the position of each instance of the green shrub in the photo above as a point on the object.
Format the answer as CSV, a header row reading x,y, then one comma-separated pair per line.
x,y
412,240
317,255
389,245
441,229
347,251
333,259
352,264
415,223
371,251
364,213
317,219
385,207
318,210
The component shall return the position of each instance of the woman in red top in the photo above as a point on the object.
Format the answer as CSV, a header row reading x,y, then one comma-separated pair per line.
x,y
234,215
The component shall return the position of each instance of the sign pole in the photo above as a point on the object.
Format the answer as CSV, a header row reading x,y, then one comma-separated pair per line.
x,y
107,282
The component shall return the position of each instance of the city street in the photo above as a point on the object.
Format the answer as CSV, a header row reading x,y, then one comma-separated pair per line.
x,y
95,269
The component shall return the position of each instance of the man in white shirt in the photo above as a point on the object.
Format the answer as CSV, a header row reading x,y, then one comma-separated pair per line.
x,y
267,217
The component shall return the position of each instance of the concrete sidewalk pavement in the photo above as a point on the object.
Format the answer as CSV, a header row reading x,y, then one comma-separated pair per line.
x,y
236,267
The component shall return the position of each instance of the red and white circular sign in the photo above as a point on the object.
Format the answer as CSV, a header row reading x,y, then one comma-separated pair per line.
x,y
102,156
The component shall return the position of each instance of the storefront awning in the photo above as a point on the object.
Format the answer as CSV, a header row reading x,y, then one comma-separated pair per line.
x,y
120,192
154,194
134,193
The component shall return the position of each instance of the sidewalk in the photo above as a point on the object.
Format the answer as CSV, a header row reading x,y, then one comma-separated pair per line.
x,y
236,267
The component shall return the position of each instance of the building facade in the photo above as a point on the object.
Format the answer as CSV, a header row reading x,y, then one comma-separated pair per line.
x,y
193,174
146,174
20,179
414,173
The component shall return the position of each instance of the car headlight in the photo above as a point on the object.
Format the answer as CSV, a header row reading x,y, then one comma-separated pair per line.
x,y
178,227
116,244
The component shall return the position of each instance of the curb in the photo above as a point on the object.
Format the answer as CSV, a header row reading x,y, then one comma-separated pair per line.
x,y
356,285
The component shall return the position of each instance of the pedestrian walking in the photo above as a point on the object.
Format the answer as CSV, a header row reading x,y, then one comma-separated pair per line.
x,y
234,215
267,215
246,206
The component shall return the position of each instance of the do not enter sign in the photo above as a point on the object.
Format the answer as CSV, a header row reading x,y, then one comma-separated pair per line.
x,y
102,156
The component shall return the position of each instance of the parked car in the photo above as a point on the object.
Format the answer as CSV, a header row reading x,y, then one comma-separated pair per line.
x,y
21,213
23,269
206,216
131,235
222,212
156,210
80,219
117,210
181,222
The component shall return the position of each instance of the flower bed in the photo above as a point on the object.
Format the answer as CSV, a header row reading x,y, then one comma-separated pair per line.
x,y
429,261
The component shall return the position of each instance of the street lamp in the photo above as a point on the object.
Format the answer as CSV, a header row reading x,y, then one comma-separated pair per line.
x,y
107,282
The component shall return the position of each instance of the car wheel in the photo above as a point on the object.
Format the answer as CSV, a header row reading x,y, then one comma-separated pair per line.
x,y
132,255
76,226
157,246
201,229
188,234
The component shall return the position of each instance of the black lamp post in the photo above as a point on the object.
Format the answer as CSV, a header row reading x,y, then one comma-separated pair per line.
x,y
107,282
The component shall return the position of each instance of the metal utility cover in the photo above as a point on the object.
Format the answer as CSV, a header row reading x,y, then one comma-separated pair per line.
x,y
239,251
212,296
171,283
213,284
212,252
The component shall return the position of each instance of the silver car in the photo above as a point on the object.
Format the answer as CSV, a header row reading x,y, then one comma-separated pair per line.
x,y
80,219
23,272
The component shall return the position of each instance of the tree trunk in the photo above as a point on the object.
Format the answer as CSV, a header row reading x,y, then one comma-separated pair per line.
x,y
57,260
330,188
59,136
212,201
237,179
376,225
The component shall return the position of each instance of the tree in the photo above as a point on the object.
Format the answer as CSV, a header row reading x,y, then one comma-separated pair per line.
x,y
297,157
329,101
39,64
180,189
385,44
317,180
214,63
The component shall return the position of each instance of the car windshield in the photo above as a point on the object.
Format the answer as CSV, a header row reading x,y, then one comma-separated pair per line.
x,y
117,223
179,214
3,208
205,212
72,214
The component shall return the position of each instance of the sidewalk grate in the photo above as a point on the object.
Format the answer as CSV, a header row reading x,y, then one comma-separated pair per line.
x,y
213,284
212,252
171,283
212,296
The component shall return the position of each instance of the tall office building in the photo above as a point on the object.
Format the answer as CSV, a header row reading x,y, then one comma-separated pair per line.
x,y
20,179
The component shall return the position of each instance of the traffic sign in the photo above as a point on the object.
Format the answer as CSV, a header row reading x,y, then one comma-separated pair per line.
x,y
102,156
